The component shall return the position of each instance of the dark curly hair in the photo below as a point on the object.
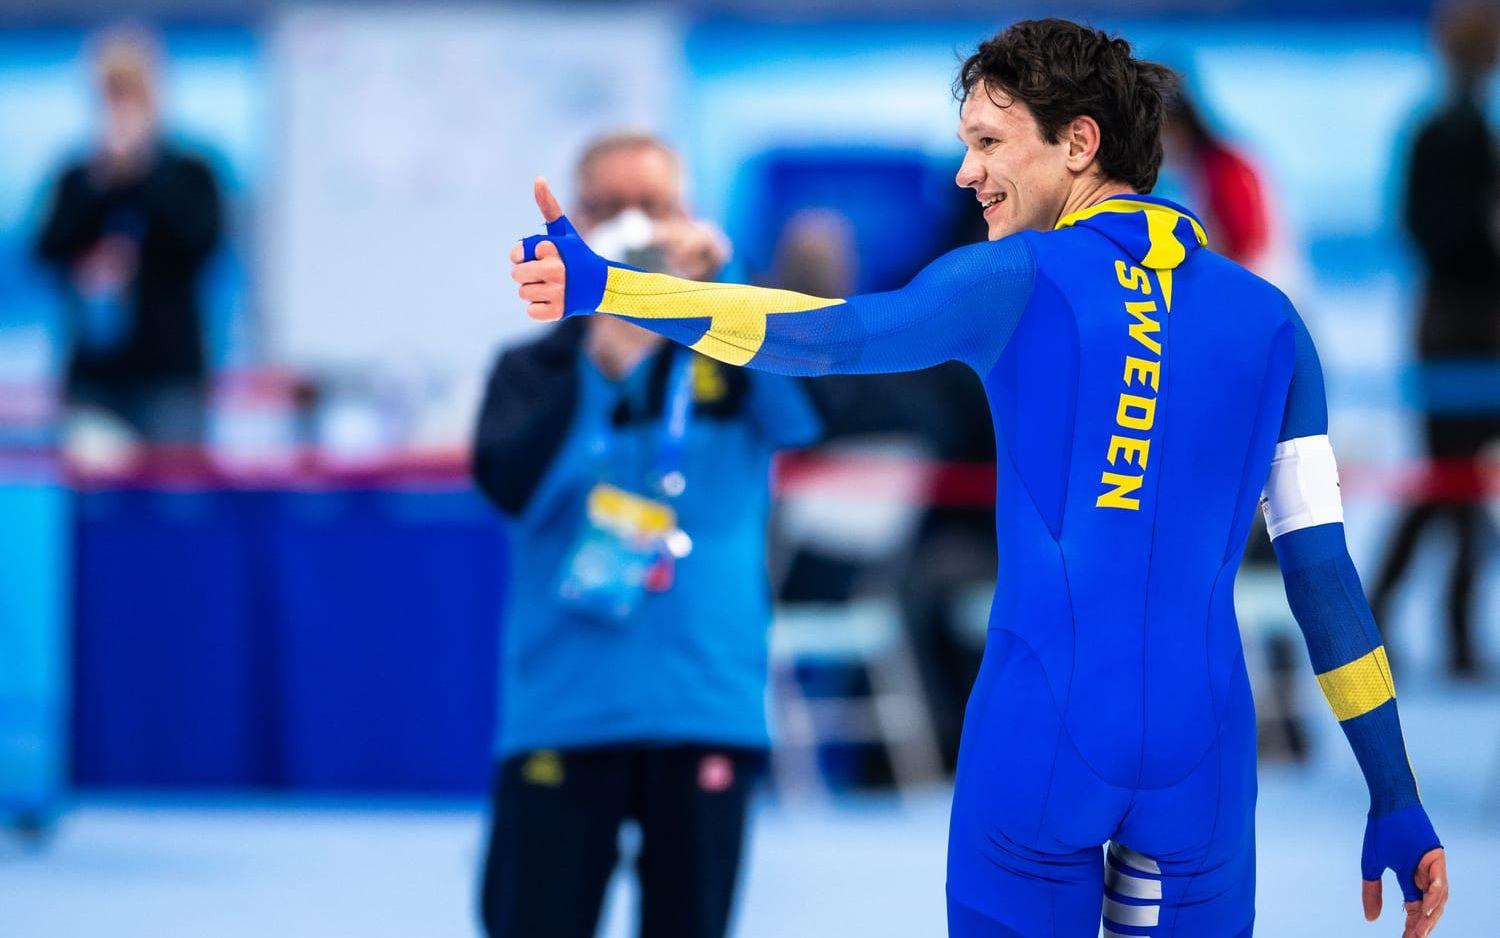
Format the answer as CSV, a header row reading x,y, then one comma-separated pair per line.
x,y
1061,70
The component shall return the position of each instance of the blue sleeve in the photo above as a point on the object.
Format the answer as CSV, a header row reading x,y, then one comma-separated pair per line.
x,y
1306,401
962,307
1326,598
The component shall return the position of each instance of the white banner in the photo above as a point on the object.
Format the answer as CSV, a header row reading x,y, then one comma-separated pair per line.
x,y
402,171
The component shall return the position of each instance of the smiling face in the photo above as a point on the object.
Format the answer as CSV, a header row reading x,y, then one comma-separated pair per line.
x,y
1020,180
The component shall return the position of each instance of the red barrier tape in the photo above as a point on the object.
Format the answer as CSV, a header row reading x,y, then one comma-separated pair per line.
x,y
933,482
196,468
972,485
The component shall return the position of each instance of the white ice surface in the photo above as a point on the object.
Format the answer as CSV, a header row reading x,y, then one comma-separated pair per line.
x,y
864,867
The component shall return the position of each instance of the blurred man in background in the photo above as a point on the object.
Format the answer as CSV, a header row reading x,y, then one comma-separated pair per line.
x,y
128,233
942,412
637,478
1236,211
1451,200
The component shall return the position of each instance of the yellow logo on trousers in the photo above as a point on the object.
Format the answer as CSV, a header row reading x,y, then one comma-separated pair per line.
x,y
544,767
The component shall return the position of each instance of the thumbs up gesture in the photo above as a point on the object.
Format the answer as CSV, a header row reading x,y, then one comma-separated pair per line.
x,y
541,265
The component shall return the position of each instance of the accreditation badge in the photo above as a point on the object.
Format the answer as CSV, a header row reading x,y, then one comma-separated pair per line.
x,y
629,545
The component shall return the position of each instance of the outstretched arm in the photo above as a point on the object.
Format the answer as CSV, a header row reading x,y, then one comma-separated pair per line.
x,y
962,307
1304,517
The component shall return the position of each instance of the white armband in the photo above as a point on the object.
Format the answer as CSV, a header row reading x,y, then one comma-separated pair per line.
x,y
1303,487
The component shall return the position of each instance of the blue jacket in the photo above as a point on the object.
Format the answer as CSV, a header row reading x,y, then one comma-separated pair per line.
x,y
689,665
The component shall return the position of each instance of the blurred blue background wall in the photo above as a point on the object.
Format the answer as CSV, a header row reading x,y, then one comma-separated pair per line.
x,y
279,635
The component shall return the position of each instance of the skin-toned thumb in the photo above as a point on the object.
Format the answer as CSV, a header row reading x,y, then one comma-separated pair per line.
x,y
1431,878
1370,893
546,202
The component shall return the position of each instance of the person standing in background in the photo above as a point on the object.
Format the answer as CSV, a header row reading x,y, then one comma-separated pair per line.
x,y
1451,198
941,410
1220,179
1240,211
636,476
129,230
937,414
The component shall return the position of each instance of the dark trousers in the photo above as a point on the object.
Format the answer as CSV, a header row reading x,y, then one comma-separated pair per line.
x,y
1450,440
948,558
169,411
555,826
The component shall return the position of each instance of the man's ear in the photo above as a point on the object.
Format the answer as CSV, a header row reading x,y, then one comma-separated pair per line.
x,y
1082,138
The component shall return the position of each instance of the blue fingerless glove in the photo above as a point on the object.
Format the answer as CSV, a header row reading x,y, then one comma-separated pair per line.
x,y
1398,841
586,270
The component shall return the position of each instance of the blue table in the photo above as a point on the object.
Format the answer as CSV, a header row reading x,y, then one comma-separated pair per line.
x,y
340,640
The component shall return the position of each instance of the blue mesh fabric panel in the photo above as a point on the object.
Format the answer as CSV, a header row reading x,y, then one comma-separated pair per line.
x,y
1375,738
1326,597
961,307
1324,592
